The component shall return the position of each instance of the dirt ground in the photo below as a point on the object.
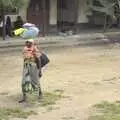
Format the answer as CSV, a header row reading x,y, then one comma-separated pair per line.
x,y
87,75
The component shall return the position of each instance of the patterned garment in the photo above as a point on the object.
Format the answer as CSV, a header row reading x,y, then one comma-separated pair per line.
x,y
30,80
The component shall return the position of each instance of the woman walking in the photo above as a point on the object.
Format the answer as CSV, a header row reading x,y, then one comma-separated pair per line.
x,y
31,69
8,26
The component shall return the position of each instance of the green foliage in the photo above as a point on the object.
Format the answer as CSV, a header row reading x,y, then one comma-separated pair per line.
x,y
47,101
106,111
12,3
103,6
7,113
51,98
107,9
48,98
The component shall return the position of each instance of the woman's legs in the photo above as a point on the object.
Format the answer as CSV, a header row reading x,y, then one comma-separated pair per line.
x,y
23,94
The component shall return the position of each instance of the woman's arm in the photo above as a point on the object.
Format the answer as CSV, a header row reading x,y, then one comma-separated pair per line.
x,y
37,52
25,54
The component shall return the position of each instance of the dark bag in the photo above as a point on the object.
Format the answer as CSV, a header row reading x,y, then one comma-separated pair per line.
x,y
44,59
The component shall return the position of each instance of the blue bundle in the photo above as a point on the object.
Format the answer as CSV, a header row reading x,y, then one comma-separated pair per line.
x,y
31,32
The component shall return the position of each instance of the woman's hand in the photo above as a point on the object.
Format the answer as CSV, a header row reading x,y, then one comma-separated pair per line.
x,y
27,56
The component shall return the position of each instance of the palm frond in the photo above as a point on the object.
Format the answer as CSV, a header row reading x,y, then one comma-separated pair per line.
x,y
13,3
104,6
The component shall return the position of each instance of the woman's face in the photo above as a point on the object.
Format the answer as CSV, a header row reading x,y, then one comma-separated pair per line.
x,y
28,44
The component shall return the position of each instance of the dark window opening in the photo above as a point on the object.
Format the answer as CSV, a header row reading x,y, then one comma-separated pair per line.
x,y
62,4
35,5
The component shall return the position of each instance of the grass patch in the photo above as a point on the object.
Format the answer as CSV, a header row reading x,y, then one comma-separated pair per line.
x,y
7,113
105,111
48,99
67,118
50,108
51,98
4,93
111,33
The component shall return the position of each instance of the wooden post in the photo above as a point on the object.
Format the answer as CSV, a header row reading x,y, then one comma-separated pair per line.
x,y
3,28
3,18
76,14
105,23
44,18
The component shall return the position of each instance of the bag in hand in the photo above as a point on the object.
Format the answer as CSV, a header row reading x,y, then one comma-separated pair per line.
x,y
44,59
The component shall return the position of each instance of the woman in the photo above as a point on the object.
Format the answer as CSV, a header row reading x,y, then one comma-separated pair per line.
x,y
18,23
8,26
30,81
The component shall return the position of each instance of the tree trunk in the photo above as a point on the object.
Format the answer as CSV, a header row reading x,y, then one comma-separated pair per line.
x,y
76,15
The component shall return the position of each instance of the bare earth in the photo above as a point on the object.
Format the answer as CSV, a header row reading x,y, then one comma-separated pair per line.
x,y
87,76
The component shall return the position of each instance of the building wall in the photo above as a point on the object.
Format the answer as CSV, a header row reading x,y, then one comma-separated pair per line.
x,y
82,12
22,13
67,13
53,12
82,8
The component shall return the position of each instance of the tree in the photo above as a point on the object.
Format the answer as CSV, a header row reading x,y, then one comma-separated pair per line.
x,y
8,6
109,8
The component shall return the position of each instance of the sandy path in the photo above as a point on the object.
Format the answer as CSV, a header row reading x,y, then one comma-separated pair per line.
x,y
87,76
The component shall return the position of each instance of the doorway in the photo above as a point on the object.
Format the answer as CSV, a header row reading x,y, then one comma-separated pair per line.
x,y
38,14
67,15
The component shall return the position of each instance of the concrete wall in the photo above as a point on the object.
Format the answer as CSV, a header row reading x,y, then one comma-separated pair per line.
x,y
22,13
53,12
82,10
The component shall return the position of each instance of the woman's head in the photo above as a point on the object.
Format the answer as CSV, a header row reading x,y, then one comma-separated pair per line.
x,y
8,19
19,18
29,42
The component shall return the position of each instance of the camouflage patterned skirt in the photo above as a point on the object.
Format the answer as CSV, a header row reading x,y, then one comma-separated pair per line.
x,y
30,79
